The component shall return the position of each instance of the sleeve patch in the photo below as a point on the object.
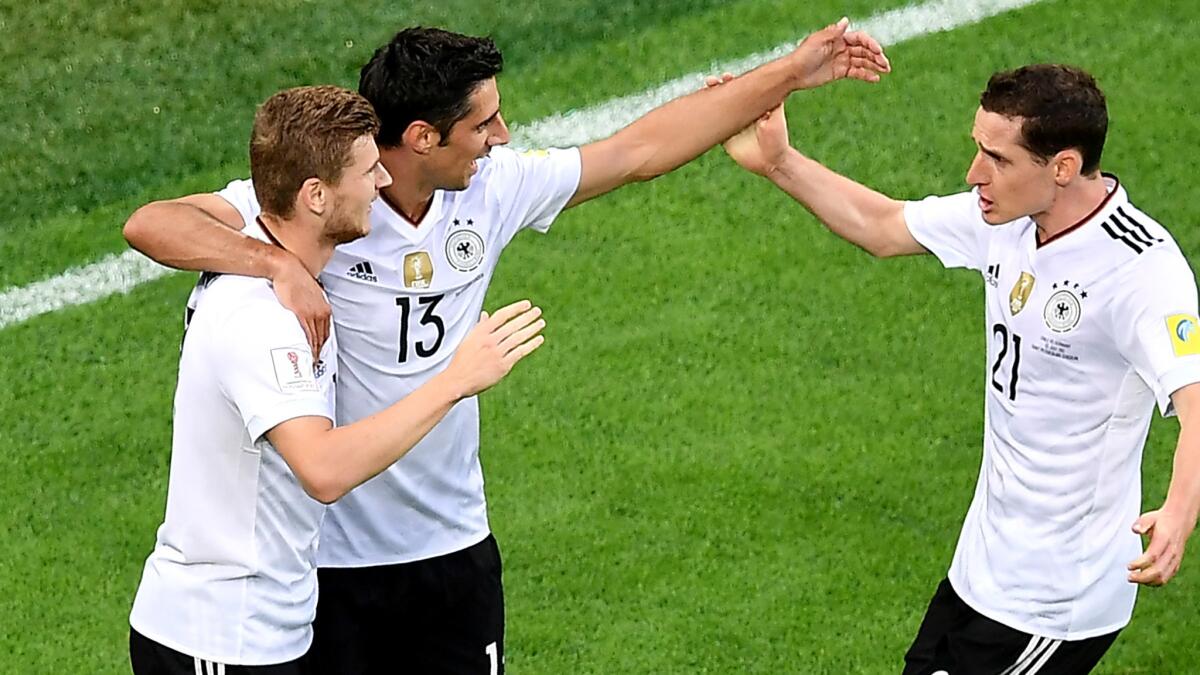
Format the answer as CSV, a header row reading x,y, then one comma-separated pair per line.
x,y
1184,329
293,371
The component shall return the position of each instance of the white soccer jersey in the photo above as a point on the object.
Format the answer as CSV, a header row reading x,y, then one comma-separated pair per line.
x,y
1085,331
232,577
403,299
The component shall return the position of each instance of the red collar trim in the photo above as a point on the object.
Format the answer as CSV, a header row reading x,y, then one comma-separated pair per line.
x,y
1088,217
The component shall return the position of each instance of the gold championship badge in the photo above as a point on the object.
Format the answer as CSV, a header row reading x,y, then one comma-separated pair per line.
x,y
418,270
1020,293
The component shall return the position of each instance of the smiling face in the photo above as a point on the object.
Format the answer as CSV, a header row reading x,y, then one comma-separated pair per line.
x,y
453,162
1012,181
355,190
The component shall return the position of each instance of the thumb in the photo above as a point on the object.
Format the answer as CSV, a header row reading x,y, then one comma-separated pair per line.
x,y
483,316
839,29
1145,523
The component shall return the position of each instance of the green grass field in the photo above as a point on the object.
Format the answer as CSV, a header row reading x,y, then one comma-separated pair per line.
x,y
746,448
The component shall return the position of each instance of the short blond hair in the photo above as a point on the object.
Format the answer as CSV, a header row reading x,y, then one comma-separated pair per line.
x,y
302,133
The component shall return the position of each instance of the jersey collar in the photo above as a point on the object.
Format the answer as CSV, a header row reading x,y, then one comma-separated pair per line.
x,y
1116,197
415,233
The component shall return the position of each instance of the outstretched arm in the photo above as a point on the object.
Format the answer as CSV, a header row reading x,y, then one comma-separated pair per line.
x,y
679,131
202,232
856,213
1170,526
329,462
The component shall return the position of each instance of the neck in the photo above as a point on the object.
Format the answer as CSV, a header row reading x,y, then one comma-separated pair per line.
x,y
1074,202
302,237
411,191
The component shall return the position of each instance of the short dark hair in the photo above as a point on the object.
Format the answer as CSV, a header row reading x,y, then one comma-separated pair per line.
x,y
426,74
302,133
1060,107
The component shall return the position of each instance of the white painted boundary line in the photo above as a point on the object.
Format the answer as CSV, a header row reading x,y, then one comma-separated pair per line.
x,y
122,273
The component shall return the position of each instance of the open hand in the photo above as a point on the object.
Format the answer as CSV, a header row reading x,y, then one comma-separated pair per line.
x,y
760,147
495,345
833,54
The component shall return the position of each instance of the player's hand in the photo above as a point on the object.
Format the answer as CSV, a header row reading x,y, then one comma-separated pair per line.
x,y
762,146
495,345
1168,532
299,292
833,54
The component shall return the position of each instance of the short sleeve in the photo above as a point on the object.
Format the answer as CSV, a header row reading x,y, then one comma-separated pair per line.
x,y
1155,323
240,194
268,372
533,186
951,228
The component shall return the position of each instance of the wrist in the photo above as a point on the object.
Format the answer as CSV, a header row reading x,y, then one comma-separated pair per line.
x,y
447,387
786,167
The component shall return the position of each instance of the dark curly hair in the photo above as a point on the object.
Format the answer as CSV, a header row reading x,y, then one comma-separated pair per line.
x,y
426,74
1060,107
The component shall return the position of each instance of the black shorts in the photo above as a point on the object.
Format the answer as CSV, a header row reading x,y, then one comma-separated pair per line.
x,y
956,639
441,616
151,658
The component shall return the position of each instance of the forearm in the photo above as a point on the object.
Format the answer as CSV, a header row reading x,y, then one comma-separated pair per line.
x,y
187,237
1183,494
351,455
679,131
856,213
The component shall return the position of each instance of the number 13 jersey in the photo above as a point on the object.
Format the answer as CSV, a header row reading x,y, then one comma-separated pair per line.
x,y
1085,332
403,299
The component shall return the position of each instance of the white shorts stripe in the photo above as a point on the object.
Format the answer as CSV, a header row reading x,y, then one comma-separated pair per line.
x,y
1034,643
196,664
1046,654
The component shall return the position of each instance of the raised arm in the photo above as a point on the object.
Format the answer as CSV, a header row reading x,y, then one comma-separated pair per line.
x,y
872,221
1170,526
329,462
679,131
202,232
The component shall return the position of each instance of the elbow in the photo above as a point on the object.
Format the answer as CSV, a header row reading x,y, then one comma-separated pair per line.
x,y
323,486
326,492
137,228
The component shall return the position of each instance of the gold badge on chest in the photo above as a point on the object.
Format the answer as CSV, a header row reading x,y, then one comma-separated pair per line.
x,y
418,270
1020,293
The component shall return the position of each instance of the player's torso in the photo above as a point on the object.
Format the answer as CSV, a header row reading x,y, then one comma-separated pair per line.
x,y
1049,335
404,297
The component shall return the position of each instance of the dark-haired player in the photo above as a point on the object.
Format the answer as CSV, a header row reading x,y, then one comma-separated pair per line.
x,y
1091,320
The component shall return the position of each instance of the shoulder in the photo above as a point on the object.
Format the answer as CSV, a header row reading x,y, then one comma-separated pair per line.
x,y
244,308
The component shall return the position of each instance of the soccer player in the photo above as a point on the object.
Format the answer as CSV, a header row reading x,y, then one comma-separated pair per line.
x,y
231,586
1091,319
410,573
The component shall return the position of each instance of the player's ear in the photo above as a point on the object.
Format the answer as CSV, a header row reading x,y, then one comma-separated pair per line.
x,y
313,196
422,137
1067,165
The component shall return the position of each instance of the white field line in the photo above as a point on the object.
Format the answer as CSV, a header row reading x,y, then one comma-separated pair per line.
x,y
122,273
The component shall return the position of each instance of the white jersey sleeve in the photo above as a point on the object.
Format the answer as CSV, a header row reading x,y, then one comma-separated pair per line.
x,y
240,194
1155,322
952,228
533,186
269,373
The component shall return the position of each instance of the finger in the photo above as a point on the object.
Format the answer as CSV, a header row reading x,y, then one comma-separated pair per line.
x,y
711,81
523,350
518,322
1145,522
483,316
522,336
502,315
726,76
326,325
1150,577
860,39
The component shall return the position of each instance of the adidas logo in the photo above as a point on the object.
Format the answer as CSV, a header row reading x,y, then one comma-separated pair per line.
x,y
362,271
